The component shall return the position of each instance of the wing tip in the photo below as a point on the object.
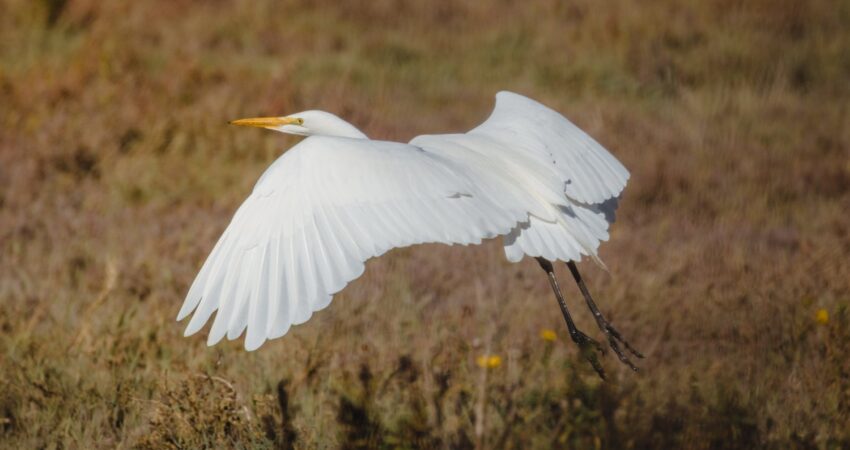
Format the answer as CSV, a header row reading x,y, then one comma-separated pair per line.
x,y
193,327
507,93
213,339
184,312
253,344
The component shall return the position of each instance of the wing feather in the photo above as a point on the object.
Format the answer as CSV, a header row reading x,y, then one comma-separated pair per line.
x,y
588,179
316,215
257,310
590,173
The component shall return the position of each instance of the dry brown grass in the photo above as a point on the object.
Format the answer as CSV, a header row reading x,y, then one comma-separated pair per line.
x,y
117,174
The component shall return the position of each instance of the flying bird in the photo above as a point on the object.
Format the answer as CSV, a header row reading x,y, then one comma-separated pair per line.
x,y
338,198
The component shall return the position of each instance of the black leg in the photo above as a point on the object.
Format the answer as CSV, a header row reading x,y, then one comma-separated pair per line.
x,y
585,342
614,337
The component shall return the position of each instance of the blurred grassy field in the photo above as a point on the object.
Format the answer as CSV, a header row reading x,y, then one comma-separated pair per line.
x,y
729,261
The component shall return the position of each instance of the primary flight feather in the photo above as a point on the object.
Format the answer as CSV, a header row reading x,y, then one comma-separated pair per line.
x,y
337,199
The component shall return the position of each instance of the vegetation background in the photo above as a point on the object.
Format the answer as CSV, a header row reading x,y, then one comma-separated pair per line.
x,y
728,263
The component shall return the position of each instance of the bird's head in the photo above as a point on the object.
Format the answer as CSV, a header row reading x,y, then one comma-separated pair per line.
x,y
306,123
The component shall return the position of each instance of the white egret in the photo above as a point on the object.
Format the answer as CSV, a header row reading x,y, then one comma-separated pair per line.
x,y
337,199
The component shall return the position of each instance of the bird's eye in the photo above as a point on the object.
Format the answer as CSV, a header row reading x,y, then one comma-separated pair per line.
x,y
299,121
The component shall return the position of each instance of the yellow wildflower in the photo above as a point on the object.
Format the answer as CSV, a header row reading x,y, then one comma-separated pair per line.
x,y
548,335
489,361
822,316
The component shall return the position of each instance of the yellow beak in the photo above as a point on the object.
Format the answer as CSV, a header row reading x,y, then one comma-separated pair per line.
x,y
267,122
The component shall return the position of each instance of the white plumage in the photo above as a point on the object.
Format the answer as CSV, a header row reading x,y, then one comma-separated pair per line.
x,y
336,199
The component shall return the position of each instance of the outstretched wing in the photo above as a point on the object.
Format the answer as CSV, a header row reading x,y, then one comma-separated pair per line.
x,y
590,174
315,216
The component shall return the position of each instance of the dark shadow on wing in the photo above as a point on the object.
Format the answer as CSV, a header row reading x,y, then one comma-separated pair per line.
x,y
608,208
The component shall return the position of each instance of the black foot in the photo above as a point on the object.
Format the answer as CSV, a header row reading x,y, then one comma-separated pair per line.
x,y
614,341
614,337
590,349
